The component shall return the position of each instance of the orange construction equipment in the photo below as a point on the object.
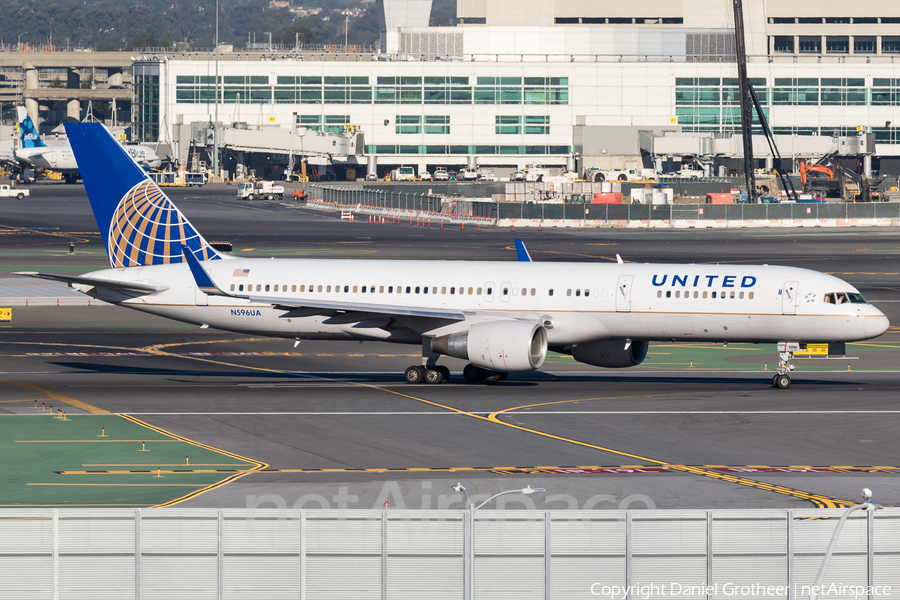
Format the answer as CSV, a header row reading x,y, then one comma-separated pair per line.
x,y
813,168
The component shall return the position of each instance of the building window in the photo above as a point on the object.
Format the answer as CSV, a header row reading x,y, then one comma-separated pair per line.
x,y
537,124
863,45
890,45
837,44
810,45
408,124
439,124
507,124
783,44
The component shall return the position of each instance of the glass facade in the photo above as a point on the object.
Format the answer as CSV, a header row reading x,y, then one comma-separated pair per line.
x,y
257,89
713,103
145,103
483,150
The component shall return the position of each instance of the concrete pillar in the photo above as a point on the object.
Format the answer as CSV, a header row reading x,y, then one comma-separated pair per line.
x,y
770,163
73,109
372,165
867,165
31,83
570,163
472,161
658,164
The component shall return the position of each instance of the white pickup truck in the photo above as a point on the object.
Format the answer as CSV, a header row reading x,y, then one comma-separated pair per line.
x,y
11,192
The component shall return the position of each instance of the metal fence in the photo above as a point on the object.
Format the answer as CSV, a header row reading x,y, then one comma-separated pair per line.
x,y
451,207
57,554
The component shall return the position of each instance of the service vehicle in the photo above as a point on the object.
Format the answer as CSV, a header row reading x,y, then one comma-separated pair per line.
x,y
260,190
403,174
441,174
11,192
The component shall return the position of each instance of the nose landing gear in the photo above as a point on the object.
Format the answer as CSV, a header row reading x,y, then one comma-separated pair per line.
x,y
782,379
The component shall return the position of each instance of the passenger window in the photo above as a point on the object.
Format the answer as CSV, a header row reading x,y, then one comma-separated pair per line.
x,y
363,289
327,289
577,292
489,291
391,289
659,293
704,295
443,290
452,290
678,293
381,289
276,288
568,292
294,288
354,289
347,289
741,295
232,287
241,288
470,291
479,291
320,288
267,287
587,293
417,289
532,291
668,293
732,295
696,294
258,287
506,291
551,292
408,288
424,290
434,290
750,295
713,294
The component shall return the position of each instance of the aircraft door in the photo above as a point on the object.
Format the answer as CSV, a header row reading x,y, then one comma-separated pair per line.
x,y
505,291
623,293
789,297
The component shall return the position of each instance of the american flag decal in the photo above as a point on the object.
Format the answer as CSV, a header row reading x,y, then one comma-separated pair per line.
x,y
241,273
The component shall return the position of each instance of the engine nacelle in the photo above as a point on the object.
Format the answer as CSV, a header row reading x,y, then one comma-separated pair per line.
x,y
611,354
504,346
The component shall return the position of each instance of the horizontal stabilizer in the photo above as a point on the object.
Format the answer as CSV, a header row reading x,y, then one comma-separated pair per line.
x,y
107,283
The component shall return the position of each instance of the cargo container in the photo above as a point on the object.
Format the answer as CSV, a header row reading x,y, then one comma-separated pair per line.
x,y
608,198
726,198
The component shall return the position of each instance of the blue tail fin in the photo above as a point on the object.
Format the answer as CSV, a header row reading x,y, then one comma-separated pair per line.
x,y
29,133
139,224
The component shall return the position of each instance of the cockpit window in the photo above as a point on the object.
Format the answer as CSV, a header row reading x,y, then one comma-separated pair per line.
x,y
844,298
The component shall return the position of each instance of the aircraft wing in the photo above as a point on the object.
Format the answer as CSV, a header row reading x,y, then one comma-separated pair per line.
x,y
205,283
108,283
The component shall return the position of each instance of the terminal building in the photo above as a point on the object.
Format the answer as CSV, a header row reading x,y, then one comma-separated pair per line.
x,y
574,83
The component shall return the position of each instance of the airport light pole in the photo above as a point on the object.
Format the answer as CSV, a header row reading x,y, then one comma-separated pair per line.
x,y
866,505
216,123
470,550
19,41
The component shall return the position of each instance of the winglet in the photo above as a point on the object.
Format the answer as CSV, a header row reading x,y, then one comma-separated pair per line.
x,y
522,252
201,277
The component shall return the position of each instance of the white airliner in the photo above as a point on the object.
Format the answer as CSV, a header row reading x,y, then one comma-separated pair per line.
x,y
502,317
61,158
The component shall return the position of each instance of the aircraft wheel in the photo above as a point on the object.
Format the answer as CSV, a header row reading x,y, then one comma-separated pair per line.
x,y
446,373
415,375
473,374
782,382
494,377
434,376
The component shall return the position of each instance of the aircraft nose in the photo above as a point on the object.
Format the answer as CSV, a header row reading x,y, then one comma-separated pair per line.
x,y
876,323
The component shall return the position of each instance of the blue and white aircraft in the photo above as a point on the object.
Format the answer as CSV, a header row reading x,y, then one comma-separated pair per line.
x,y
502,317
60,157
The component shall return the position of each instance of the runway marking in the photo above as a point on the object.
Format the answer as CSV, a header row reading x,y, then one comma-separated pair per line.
x,y
23,400
95,441
433,413
151,471
207,488
154,465
58,397
122,484
597,469
818,500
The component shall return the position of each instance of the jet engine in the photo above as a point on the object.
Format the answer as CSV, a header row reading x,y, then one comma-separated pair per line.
x,y
611,354
502,346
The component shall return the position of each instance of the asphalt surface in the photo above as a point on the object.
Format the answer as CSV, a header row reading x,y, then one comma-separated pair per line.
x,y
335,425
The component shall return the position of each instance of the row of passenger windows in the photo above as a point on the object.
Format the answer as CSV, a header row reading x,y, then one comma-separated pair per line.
x,y
370,289
687,294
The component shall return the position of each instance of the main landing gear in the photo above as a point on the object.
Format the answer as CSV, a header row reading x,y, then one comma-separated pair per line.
x,y
431,372
782,379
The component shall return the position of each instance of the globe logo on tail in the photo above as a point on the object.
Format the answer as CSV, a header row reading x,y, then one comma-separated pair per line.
x,y
147,229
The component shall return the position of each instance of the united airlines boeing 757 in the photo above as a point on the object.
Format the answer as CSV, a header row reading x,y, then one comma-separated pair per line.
x,y
502,317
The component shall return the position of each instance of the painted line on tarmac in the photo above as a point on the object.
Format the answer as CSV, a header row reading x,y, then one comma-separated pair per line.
x,y
123,484
257,465
589,469
58,397
432,413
